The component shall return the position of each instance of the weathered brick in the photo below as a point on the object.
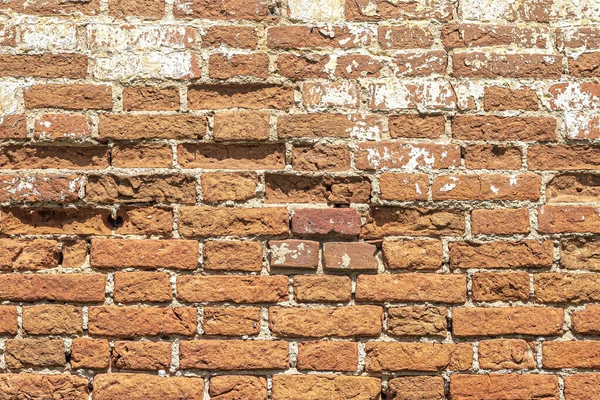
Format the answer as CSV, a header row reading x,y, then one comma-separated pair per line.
x,y
74,254
561,288
151,254
496,386
145,386
142,156
491,65
90,353
240,96
412,287
492,157
63,126
70,97
231,387
524,186
563,157
244,37
141,189
225,66
146,221
13,127
139,126
403,186
571,354
567,219
134,287
305,189
417,321
326,221
571,96
334,387
321,157
232,255
241,125
412,254
501,254
573,188
341,256
150,98
26,353
580,254
322,288
416,388
581,386
517,320
302,67
392,221
228,186
52,320
63,157
501,99
484,35
500,222
387,357
421,63
233,354
72,66
77,288
151,9
8,320
256,10
364,10
327,356
404,37
37,386
429,95
384,155
293,253
501,286
132,322
486,127
358,66
36,254
126,67
416,126
239,156
231,321
298,37
586,321
236,289
330,125
140,355
507,354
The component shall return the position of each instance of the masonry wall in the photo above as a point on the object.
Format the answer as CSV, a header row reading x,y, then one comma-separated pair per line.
x,y
305,200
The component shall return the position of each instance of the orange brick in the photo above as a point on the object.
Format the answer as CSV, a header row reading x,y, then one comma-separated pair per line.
x,y
516,320
500,222
233,354
328,356
236,289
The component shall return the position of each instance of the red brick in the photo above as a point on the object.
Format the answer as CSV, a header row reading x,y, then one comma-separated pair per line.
x,y
494,186
142,155
412,287
563,157
52,320
342,256
256,10
421,63
241,125
27,353
19,254
571,354
517,320
501,286
294,253
563,288
151,9
417,321
134,287
409,156
492,157
63,126
233,255
328,125
412,254
231,156
307,387
476,35
322,288
145,386
232,387
72,66
244,37
90,353
403,186
13,127
568,219
8,320
146,355
581,386
507,354
326,221
302,67
37,386
240,96
491,65
416,126
501,99
404,37
586,321
306,189
236,289
298,37
63,157
150,98
223,186
224,66
358,66
501,254
231,321
416,388
321,157
140,126
580,254
487,127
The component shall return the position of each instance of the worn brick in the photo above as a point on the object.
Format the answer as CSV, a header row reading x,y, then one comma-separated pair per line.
x,y
239,156
406,156
417,321
141,189
485,127
36,254
233,354
78,288
343,256
501,286
241,125
244,37
412,254
403,186
151,254
328,356
293,253
304,189
391,221
236,289
26,353
139,126
412,287
52,320
492,157
580,254
501,254
70,97
37,386
567,219
231,321
150,98
142,355
334,387
90,353
500,222
571,354
72,66
145,386
321,158
231,387
134,287
387,357
142,156
326,221
240,96
507,354
416,388
225,66
63,126
496,386
132,322
518,320
322,288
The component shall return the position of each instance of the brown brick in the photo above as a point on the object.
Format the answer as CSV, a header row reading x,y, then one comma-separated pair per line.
x,y
403,186
568,219
321,158
491,65
256,10
32,254
351,321
513,386
582,386
387,357
238,156
573,188
231,321
123,253
90,353
232,387
563,157
150,98
501,99
584,65
138,189
241,125
8,320
132,322
416,126
140,126
151,9
500,221
144,355
322,288
308,189
412,254
417,321
501,286
302,66
341,256
412,287
492,157
37,386
145,221
567,96
52,320
63,126
299,37
333,387
236,289
72,66
70,97
233,255
142,156
53,7
499,254
240,96
293,253
64,157
233,354
244,37
507,354
225,66
416,388
580,254
382,9
26,353
328,125
55,221
145,386
517,320
326,221
393,221
563,288
134,287
227,221
403,155
327,356
76,288
487,127
404,37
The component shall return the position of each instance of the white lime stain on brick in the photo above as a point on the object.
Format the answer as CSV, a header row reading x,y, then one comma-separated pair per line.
x,y
279,254
449,186
422,95
118,38
362,130
316,10
487,10
148,65
319,96
468,94
48,37
575,97
10,93
346,260
579,125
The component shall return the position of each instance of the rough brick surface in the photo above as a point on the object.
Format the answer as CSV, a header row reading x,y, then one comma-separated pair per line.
x,y
299,199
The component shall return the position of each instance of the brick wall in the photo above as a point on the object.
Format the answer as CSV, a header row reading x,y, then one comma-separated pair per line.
x,y
305,200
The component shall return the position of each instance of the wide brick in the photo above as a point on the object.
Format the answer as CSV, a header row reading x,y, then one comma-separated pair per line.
x,y
232,387
244,37
134,287
71,66
388,357
501,99
329,125
241,125
404,37
233,354
406,156
321,157
412,287
500,222
320,96
63,157
142,156
326,221
420,63
141,355
150,98
76,288
236,289
8,320
132,322
322,288
563,157
573,188
293,253
412,254
306,189
570,96
332,387
146,221
240,96
70,97
491,65
238,156
517,320
256,10
232,255
492,157
327,356
90,353
117,38
568,219
63,126
38,386
139,126
421,95
52,320
122,253
484,35
149,9
55,221
563,288
580,254
352,321
358,66
228,186
227,221
416,388
582,386
417,321
501,286
225,66
303,67
19,254
26,353
496,387
231,321
299,37
141,189
416,126
507,354
145,386
393,221
122,66
341,256
501,254
403,186
487,127
440,10
571,354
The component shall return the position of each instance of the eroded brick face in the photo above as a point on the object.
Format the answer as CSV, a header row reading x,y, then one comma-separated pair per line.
x,y
299,200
